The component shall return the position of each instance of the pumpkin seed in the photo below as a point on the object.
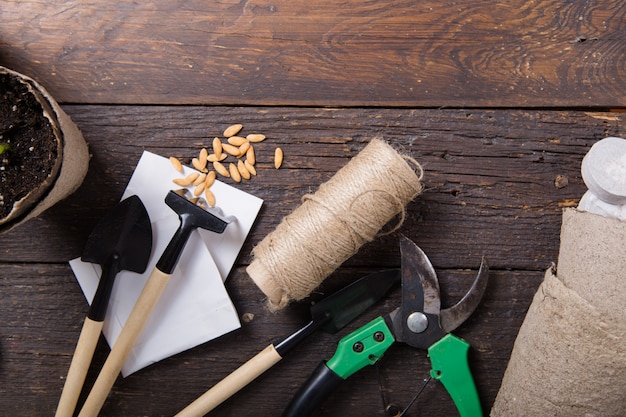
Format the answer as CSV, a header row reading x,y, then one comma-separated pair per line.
x,y
278,158
231,150
199,189
251,169
187,181
213,157
210,179
234,172
200,179
232,130
210,197
199,165
243,149
217,147
241,167
176,164
255,137
221,169
237,140
250,156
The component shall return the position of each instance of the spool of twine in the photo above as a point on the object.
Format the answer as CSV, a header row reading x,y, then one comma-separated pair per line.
x,y
331,225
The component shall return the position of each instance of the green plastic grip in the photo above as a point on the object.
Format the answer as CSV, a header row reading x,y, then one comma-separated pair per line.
x,y
450,366
354,352
361,348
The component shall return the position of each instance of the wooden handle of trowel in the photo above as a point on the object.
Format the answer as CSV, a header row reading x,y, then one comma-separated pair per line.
x,y
83,353
128,336
228,386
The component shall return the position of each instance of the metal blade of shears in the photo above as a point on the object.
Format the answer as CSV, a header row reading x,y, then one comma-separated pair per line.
x,y
452,317
416,321
419,279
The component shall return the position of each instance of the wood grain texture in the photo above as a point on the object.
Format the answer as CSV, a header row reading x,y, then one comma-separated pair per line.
x,y
489,174
37,349
495,100
349,53
490,189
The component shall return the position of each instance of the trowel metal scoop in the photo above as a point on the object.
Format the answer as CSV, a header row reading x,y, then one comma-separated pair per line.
x,y
191,216
122,240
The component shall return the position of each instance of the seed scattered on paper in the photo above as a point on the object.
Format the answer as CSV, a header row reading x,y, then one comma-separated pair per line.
x,y
210,197
176,164
235,146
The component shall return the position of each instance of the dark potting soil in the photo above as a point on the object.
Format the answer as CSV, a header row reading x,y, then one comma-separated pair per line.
x,y
32,144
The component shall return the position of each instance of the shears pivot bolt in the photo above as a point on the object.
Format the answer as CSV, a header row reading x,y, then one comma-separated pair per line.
x,y
417,322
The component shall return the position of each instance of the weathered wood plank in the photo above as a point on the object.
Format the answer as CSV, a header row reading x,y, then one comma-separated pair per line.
x,y
489,174
384,53
42,311
489,190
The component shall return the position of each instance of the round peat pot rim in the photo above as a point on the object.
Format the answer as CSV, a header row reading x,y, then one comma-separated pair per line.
x,y
70,166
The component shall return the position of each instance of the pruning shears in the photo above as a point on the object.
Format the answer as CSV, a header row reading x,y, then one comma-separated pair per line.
x,y
419,322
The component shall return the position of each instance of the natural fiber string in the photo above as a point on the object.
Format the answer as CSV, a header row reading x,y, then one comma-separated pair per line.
x,y
331,225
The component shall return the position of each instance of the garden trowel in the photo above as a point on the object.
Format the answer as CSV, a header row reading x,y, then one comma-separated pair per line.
x,y
193,213
122,240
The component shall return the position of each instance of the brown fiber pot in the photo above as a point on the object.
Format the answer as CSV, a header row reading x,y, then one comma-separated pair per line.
x,y
64,150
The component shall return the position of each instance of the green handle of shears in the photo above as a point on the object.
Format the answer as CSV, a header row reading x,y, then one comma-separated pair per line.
x,y
450,366
363,347
354,352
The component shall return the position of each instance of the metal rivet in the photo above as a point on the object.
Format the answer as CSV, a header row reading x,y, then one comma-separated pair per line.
x,y
417,322
358,347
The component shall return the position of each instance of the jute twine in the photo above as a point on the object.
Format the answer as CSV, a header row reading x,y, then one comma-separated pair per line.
x,y
331,225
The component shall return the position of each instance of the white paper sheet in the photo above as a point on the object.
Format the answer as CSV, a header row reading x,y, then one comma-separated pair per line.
x,y
195,306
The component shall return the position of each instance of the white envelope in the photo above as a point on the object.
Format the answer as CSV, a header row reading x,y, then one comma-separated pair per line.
x,y
195,306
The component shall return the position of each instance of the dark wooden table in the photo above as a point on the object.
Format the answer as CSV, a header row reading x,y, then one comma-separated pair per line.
x,y
495,99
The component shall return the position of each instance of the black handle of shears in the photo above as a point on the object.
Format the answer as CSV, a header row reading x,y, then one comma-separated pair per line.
x,y
321,383
355,351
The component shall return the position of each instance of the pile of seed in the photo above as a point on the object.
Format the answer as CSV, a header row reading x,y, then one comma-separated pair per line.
x,y
238,147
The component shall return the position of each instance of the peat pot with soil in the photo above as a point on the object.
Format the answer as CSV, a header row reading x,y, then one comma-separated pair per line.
x,y
43,156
